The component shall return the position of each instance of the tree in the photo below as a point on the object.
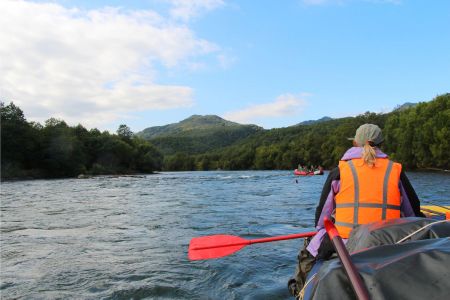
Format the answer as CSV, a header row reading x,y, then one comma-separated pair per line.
x,y
18,141
12,113
125,133
147,158
63,153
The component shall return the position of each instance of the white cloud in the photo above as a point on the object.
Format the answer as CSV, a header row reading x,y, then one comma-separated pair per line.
x,y
92,66
284,105
188,9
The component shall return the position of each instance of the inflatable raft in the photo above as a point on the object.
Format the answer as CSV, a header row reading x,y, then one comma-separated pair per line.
x,y
406,258
304,173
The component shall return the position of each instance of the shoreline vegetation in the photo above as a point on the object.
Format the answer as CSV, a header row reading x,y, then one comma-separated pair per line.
x,y
143,175
418,137
81,176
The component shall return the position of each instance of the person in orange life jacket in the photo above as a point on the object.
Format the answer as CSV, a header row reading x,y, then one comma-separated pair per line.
x,y
365,187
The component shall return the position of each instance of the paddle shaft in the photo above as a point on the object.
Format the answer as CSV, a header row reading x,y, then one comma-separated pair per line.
x,y
257,241
353,275
283,237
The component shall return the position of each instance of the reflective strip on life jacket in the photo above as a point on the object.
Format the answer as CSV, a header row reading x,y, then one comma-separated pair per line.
x,y
385,190
387,205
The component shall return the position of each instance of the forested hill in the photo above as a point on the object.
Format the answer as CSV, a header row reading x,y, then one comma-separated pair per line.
x,y
197,134
418,136
195,125
309,122
405,106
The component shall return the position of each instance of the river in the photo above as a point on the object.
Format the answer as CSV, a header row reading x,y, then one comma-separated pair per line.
x,y
127,237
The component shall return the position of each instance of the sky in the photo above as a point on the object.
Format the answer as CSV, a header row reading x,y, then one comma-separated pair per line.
x,y
271,63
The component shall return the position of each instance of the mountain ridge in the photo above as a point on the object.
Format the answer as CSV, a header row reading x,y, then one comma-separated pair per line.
x,y
197,134
309,122
193,125
405,106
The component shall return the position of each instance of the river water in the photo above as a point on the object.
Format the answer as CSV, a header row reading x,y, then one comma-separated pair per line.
x,y
127,237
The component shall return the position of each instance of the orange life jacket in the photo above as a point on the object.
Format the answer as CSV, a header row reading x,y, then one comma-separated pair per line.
x,y
367,194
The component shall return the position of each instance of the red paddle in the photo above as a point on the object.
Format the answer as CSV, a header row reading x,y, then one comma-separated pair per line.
x,y
215,246
353,275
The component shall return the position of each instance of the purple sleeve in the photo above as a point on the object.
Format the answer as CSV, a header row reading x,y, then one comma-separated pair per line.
x,y
405,206
314,245
327,210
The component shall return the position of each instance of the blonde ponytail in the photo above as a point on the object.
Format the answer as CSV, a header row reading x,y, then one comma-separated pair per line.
x,y
369,155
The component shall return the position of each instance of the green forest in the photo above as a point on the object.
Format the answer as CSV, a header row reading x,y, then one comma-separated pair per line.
x,y
197,134
56,150
418,137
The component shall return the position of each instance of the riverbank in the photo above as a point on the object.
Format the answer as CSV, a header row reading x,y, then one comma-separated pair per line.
x,y
39,175
433,170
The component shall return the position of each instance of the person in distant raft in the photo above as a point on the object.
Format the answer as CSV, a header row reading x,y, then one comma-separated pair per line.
x,y
365,187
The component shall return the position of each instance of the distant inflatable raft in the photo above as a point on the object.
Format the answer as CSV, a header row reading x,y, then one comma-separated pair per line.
x,y
304,173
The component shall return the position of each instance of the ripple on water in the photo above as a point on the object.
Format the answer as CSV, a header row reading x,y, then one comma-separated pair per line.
x,y
127,238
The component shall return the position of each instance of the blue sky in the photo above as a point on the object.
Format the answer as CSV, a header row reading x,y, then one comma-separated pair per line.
x,y
270,63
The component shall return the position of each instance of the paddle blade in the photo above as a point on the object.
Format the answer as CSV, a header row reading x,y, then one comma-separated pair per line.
x,y
215,246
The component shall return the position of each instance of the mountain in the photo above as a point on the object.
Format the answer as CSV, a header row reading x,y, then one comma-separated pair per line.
x,y
194,125
215,139
417,137
405,106
197,134
309,122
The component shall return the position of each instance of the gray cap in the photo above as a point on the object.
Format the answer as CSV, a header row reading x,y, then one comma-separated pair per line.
x,y
368,133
